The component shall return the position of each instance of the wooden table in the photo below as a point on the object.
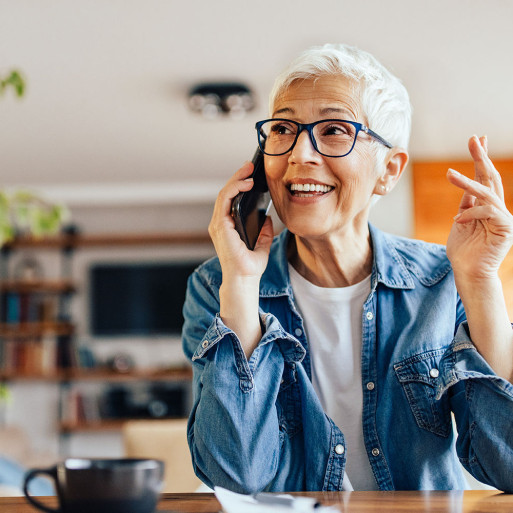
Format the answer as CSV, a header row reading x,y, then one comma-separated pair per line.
x,y
347,502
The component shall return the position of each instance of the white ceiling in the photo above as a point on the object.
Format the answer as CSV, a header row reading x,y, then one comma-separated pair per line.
x,y
108,79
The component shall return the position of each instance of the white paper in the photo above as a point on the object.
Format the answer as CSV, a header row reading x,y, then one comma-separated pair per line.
x,y
232,502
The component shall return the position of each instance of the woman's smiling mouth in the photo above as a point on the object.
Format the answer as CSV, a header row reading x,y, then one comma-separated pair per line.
x,y
308,190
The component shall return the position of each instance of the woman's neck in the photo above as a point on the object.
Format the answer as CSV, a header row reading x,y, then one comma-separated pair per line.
x,y
334,261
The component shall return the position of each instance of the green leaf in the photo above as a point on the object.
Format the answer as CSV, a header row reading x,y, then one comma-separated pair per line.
x,y
23,196
6,233
5,393
4,199
4,209
14,80
22,214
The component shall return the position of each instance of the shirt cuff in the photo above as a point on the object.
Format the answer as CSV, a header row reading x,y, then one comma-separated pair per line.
x,y
290,347
462,361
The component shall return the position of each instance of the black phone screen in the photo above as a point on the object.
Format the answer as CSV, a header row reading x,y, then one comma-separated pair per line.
x,y
249,209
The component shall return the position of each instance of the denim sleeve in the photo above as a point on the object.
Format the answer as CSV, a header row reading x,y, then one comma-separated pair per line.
x,y
233,429
482,403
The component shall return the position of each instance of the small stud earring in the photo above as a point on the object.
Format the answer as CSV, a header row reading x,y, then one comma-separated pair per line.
x,y
384,188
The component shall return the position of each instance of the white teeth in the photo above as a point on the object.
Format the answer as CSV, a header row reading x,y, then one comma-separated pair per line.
x,y
310,187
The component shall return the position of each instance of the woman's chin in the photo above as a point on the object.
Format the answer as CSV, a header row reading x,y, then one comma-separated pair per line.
x,y
308,229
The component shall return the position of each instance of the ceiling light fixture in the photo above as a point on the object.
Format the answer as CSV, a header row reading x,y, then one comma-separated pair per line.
x,y
215,99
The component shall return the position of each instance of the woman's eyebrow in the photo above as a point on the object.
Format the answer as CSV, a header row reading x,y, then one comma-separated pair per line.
x,y
333,110
285,110
326,111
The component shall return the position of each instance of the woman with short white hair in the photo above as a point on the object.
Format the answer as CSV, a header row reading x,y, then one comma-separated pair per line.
x,y
332,356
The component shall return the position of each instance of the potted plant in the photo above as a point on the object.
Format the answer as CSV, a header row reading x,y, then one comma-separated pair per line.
x,y
22,211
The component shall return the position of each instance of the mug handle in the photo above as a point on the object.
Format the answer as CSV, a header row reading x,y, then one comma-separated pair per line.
x,y
31,474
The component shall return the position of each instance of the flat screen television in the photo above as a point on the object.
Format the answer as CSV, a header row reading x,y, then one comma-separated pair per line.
x,y
138,299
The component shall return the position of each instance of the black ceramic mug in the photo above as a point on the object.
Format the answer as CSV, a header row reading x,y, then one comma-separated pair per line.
x,y
102,485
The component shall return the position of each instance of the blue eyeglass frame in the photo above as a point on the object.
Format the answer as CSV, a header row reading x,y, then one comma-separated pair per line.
x,y
309,128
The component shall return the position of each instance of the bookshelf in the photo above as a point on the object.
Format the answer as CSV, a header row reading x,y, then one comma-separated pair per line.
x,y
36,329
37,332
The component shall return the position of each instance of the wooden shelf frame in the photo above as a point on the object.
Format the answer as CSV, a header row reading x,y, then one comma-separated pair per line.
x,y
75,375
110,239
37,286
35,329
103,425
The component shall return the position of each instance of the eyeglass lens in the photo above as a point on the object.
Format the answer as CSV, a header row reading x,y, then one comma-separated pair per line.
x,y
333,138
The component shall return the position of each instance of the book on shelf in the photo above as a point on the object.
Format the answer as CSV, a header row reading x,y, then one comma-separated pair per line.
x,y
23,307
49,354
11,304
79,407
32,356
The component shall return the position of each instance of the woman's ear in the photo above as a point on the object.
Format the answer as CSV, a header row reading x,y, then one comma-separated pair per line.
x,y
395,163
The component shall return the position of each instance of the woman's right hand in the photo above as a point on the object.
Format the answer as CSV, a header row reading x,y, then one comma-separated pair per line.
x,y
241,267
235,258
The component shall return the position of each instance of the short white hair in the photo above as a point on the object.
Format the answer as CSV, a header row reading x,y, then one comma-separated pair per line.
x,y
384,99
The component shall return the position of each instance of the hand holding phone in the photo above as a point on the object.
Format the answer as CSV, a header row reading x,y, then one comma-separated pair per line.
x,y
249,209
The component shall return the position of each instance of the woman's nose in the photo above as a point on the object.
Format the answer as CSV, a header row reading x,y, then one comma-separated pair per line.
x,y
304,150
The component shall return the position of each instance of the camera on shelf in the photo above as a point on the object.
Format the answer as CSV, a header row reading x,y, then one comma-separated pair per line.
x,y
150,401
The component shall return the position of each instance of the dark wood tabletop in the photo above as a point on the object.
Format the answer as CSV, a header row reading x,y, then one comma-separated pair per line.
x,y
475,501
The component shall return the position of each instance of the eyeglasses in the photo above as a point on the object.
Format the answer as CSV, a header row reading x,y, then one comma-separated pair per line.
x,y
330,137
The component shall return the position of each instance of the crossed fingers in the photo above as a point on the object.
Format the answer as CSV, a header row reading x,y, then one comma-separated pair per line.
x,y
484,195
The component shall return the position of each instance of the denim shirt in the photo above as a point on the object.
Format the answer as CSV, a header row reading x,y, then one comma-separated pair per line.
x,y
258,424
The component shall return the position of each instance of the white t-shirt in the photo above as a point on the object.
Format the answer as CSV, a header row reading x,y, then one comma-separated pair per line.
x,y
333,324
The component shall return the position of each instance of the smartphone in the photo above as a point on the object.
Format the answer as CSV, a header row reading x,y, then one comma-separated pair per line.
x,y
249,209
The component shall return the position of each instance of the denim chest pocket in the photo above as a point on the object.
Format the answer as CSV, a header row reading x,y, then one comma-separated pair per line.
x,y
289,402
418,376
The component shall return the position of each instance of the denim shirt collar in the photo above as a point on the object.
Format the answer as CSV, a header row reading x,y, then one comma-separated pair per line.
x,y
392,264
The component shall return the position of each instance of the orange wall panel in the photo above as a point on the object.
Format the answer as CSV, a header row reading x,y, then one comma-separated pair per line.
x,y
436,202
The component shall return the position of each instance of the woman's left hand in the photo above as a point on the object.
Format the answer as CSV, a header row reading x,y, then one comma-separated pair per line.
x,y
482,233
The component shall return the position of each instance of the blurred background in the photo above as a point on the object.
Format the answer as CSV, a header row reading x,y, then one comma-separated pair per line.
x,y
107,127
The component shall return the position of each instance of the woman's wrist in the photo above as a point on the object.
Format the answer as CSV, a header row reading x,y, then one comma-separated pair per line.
x,y
488,321
239,302
240,288
477,288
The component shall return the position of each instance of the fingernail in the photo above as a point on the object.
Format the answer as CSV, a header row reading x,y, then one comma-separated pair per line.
x,y
456,217
250,179
453,171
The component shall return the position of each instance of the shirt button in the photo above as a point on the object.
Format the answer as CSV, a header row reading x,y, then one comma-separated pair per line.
x,y
204,343
375,451
369,316
434,373
339,449
298,332
370,385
